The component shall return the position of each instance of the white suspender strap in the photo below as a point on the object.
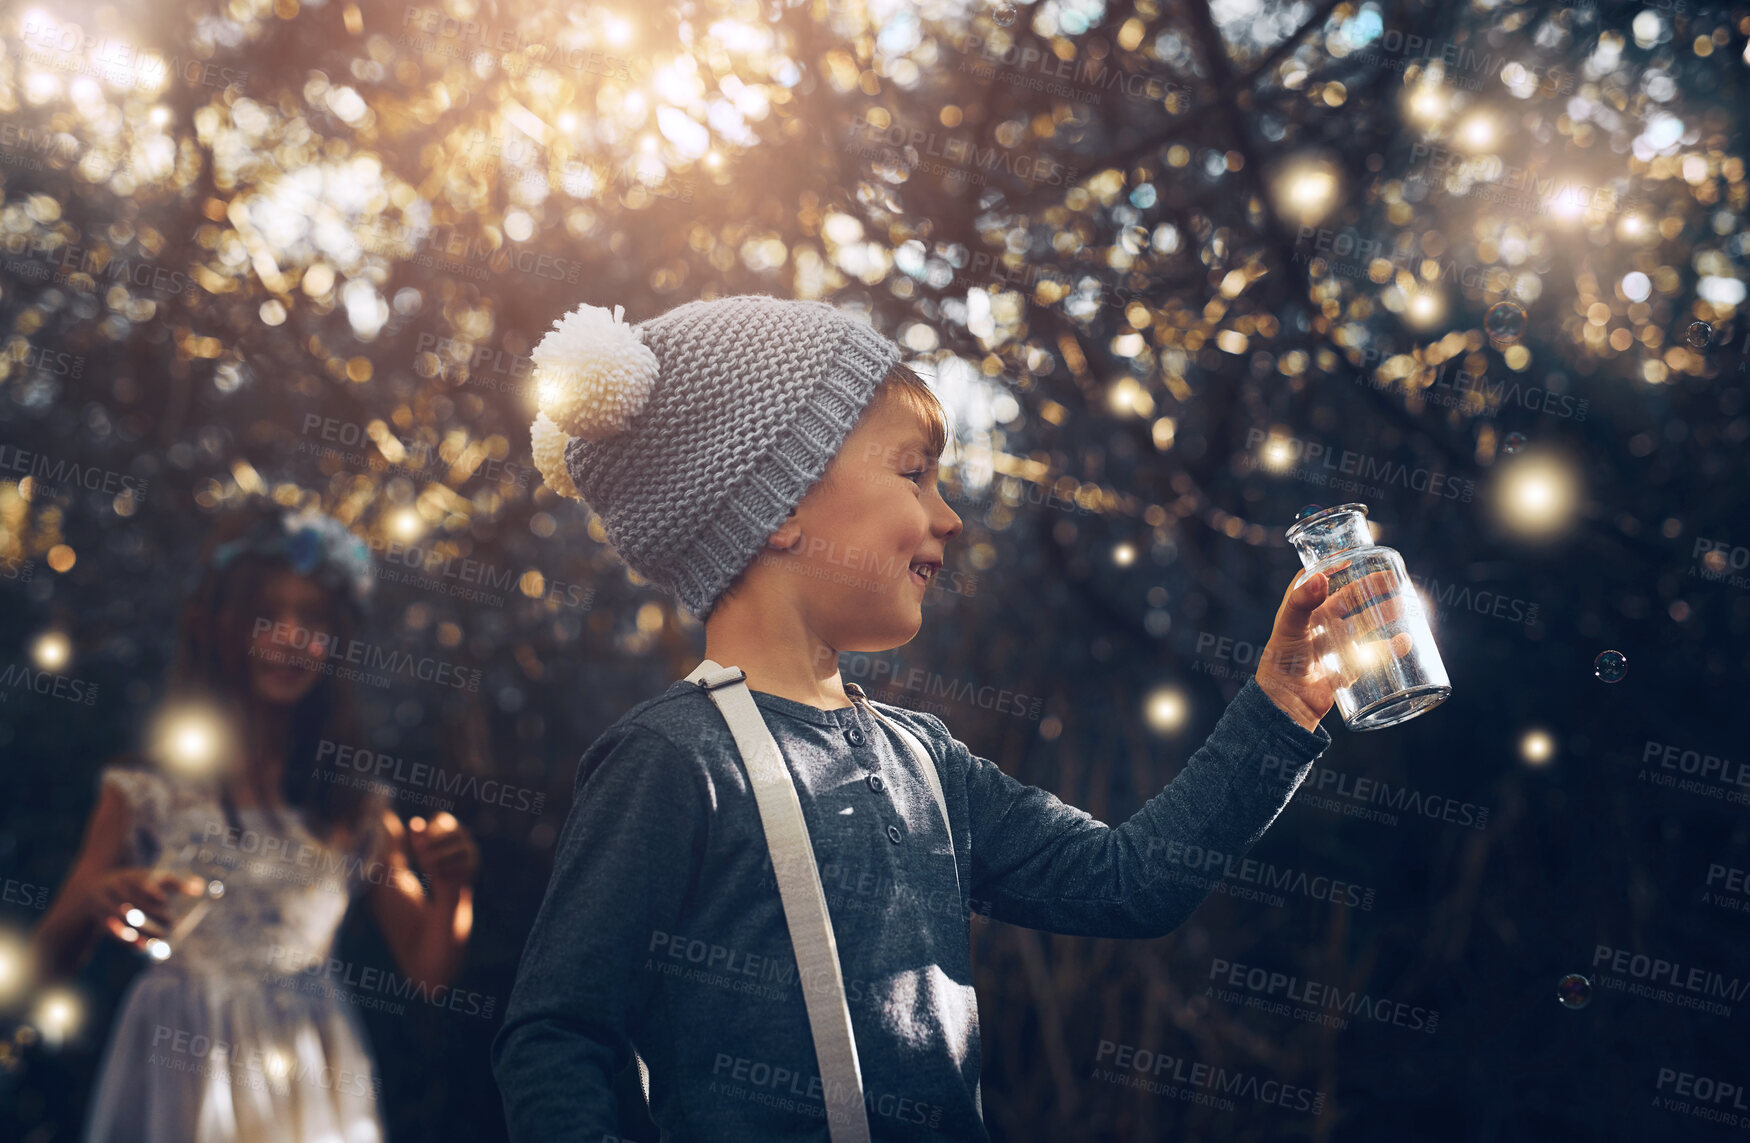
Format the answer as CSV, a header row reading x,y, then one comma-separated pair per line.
x,y
817,956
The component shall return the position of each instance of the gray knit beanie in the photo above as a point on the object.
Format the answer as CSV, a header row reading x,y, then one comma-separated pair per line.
x,y
695,433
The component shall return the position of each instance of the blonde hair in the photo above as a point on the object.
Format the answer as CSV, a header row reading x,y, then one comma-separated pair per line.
x,y
904,385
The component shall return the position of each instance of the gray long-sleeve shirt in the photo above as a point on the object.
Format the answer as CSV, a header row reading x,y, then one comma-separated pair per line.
x,y
662,926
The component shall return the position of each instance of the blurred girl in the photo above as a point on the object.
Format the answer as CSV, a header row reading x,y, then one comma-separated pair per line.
x,y
240,1029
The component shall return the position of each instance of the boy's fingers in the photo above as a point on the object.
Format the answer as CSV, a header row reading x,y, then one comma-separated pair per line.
x,y
1298,605
1359,594
1372,653
1293,619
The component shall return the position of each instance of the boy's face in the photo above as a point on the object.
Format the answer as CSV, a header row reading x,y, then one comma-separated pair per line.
x,y
876,511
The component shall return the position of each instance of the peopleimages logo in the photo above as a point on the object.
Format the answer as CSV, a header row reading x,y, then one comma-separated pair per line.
x,y
14,892
740,1077
66,260
252,1067
51,361
1344,252
1450,387
70,48
1709,775
21,145
484,366
1693,985
1701,1096
1252,871
436,31
1720,561
1303,999
1523,186
59,473
1372,792
1278,452
1085,79
299,962
418,456
368,656
1734,881
959,151
47,683
1160,1073
392,769
281,858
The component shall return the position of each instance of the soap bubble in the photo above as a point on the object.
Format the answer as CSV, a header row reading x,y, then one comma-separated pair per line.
x,y
1574,991
1699,335
1005,14
1611,666
1505,322
1308,510
1513,443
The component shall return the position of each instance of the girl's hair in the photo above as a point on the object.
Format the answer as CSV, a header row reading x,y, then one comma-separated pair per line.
x,y
211,665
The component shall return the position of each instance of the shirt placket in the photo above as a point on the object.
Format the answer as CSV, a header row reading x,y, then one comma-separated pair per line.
x,y
860,736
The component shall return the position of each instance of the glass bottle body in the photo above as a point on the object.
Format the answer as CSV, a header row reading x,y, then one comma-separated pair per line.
x,y
185,910
1371,634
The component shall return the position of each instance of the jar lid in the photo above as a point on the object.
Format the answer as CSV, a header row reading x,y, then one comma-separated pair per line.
x,y
1307,523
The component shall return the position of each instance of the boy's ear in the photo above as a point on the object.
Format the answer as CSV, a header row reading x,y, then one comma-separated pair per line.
x,y
787,533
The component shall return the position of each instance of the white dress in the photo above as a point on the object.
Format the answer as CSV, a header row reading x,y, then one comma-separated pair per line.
x,y
247,1033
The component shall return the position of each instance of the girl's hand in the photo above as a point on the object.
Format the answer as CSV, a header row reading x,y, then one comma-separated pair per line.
x,y
136,887
1301,667
444,850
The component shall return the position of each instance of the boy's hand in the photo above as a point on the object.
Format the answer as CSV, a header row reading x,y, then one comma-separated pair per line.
x,y
1294,667
1288,668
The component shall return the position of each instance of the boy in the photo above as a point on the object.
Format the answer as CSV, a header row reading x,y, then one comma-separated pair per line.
x,y
774,465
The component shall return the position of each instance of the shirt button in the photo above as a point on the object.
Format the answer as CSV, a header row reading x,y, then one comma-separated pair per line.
x,y
893,834
854,736
875,782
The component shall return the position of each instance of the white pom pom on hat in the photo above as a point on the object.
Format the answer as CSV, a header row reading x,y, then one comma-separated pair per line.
x,y
593,375
549,442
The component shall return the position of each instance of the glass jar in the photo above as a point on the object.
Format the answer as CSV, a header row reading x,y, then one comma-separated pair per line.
x,y
1371,633
185,910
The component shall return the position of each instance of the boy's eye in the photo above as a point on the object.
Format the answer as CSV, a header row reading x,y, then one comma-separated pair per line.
x,y
912,476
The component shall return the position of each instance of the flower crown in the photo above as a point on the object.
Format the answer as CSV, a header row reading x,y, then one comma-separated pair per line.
x,y
593,375
314,544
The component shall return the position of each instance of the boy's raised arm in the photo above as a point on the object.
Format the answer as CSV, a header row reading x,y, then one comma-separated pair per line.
x,y
624,862
1047,865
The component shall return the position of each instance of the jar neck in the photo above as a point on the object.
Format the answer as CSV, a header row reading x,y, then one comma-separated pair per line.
x,y
1338,533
